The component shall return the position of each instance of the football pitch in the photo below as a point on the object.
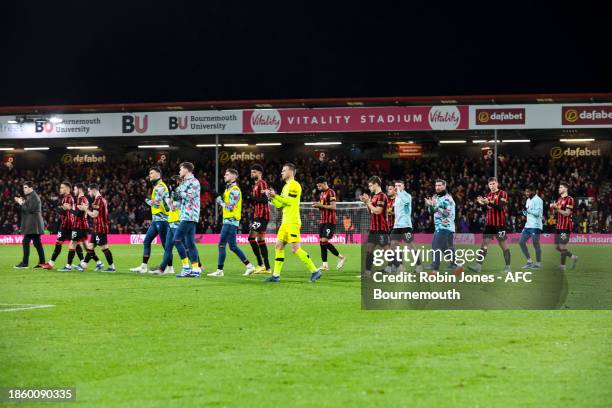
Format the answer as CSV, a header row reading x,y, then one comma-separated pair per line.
x,y
129,340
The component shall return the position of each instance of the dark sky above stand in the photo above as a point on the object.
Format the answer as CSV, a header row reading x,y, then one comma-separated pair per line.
x,y
82,52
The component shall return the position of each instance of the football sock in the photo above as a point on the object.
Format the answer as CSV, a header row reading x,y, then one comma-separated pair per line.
x,y
264,252
323,246
56,251
564,255
305,258
109,256
79,252
279,260
93,255
89,255
71,253
507,256
332,249
256,251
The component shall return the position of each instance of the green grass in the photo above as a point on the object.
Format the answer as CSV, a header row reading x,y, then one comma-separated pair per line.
x,y
125,340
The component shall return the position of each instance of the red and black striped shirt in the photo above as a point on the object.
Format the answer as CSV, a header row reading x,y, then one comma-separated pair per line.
x,y
66,218
391,213
564,222
328,216
80,220
378,222
497,217
260,209
100,223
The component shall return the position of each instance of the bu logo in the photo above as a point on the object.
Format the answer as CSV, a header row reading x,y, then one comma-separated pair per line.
x,y
47,127
175,122
131,123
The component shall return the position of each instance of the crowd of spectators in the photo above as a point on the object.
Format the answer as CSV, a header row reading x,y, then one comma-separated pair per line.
x,y
467,179
125,186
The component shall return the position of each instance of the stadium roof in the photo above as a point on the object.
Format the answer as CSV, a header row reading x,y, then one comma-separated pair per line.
x,y
316,103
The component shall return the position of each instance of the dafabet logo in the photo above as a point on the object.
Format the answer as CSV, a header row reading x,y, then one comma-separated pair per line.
x,y
558,152
82,158
571,115
225,157
510,116
587,115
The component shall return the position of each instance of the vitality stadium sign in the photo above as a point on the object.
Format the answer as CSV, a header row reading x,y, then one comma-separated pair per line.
x,y
393,118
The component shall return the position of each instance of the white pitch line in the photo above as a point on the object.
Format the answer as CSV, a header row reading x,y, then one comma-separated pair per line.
x,y
23,306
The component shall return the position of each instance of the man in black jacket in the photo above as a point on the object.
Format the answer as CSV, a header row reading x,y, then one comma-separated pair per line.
x,y
32,226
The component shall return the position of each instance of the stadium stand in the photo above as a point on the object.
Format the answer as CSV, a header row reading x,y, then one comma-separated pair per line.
x,y
123,183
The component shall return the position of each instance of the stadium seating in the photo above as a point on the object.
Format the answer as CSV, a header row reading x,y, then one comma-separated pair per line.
x,y
124,185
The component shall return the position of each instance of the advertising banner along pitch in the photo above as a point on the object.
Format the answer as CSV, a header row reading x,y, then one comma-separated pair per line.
x,y
393,118
126,124
319,120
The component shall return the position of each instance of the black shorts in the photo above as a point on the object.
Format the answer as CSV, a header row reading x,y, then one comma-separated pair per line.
x,y
259,225
63,235
327,230
78,235
98,239
491,231
562,237
379,238
402,235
